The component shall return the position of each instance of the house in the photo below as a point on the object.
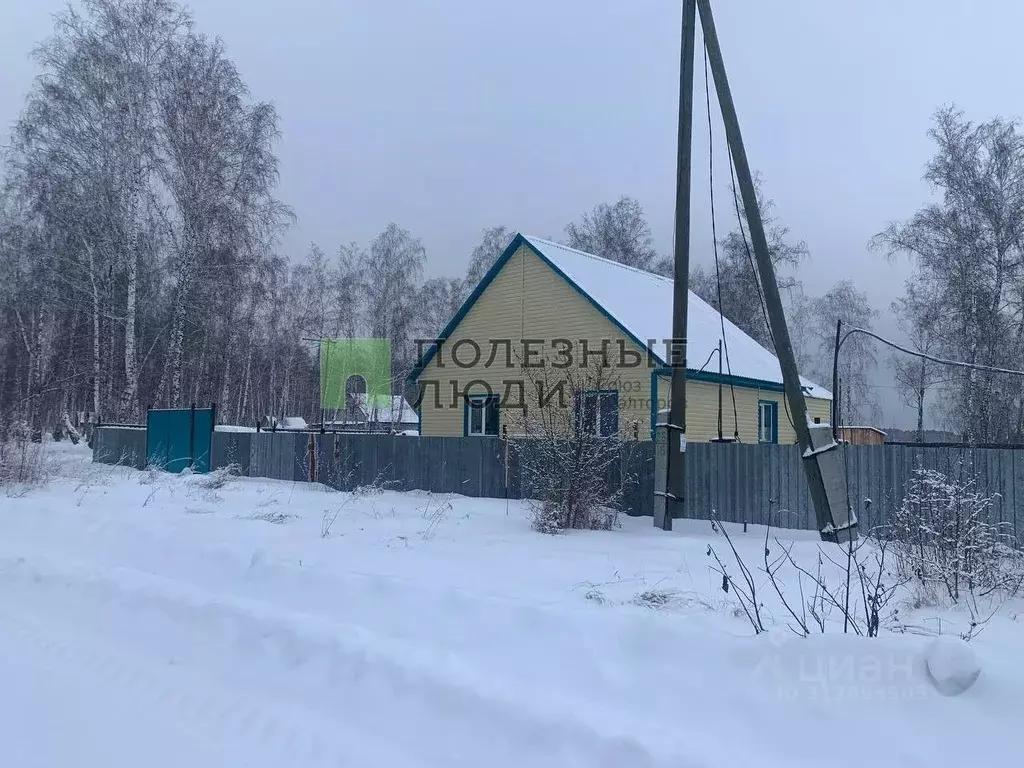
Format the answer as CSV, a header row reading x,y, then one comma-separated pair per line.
x,y
544,304
862,435
395,415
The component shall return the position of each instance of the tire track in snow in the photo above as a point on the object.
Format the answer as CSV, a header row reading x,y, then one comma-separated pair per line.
x,y
444,616
281,736
432,706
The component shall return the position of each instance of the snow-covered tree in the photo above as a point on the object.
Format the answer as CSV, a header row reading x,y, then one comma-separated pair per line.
x,y
493,241
392,274
734,288
813,322
968,248
918,315
138,205
619,232
438,300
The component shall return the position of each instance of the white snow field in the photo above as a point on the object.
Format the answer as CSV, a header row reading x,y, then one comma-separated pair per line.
x,y
152,620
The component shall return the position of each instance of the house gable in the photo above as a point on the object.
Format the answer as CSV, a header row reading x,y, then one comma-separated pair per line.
x,y
518,243
525,299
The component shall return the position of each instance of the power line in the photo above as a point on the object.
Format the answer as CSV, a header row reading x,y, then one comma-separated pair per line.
x,y
753,274
926,356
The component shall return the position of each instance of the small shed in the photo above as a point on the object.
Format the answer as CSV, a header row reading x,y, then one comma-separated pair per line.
x,y
394,415
862,435
293,423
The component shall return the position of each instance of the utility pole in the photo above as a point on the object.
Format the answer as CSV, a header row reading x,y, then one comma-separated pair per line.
x,y
670,504
836,406
825,500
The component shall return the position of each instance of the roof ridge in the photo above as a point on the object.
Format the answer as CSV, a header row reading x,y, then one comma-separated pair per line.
x,y
594,256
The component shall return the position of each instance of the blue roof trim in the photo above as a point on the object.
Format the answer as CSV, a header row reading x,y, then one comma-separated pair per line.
x,y
711,377
599,307
517,242
467,305
520,240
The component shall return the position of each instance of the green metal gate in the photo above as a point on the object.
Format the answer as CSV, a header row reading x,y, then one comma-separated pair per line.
x,y
177,438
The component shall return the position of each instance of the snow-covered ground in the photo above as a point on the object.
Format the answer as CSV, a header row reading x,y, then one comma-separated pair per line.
x,y
148,619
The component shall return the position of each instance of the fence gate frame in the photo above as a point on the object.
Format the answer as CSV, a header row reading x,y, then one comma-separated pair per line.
x,y
180,438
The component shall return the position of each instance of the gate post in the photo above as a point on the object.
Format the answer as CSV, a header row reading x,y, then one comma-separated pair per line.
x,y
145,458
192,436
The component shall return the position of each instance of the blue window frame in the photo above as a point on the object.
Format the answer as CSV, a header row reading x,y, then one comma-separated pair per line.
x,y
597,411
767,421
480,416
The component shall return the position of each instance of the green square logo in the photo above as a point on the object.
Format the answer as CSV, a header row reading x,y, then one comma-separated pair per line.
x,y
340,359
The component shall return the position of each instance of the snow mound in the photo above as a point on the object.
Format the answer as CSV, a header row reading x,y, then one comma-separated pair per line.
x,y
952,665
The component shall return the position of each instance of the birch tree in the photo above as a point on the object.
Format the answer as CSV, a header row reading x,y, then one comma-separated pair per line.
x,y
967,246
734,289
919,316
393,271
438,300
493,241
220,173
812,323
137,195
348,291
618,232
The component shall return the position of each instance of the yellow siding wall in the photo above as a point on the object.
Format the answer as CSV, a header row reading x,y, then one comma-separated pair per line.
x,y
702,411
528,300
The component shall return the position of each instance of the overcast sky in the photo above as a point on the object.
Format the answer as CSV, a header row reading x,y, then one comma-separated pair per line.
x,y
452,115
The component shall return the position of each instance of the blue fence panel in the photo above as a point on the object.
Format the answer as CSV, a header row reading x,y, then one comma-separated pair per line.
x,y
202,439
177,438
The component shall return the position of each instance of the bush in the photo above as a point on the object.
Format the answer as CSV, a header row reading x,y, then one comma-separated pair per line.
x,y
942,540
580,511
23,460
566,469
219,478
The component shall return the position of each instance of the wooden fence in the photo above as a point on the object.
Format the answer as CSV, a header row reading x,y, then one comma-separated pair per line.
x,y
741,483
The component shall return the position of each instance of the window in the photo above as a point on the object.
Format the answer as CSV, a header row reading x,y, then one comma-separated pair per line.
x,y
767,421
482,415
598,412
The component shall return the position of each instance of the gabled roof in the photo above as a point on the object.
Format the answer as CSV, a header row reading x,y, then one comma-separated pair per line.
x,y
639,303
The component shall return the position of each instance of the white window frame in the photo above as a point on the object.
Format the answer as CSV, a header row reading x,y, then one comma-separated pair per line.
x,y
767,411
477,406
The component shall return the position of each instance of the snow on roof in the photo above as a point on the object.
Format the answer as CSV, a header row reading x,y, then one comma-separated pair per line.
x,y
399,412
642,303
